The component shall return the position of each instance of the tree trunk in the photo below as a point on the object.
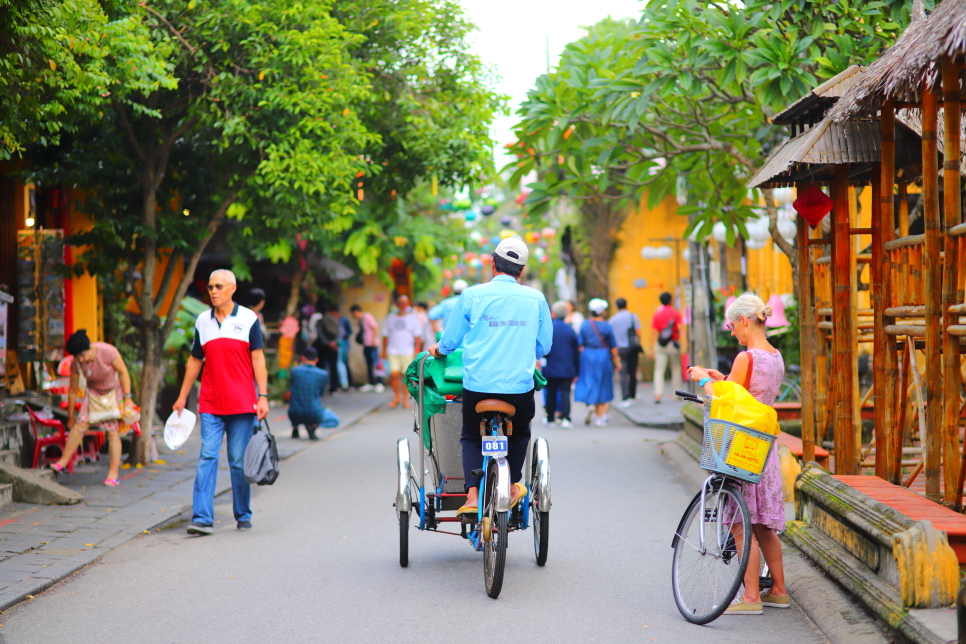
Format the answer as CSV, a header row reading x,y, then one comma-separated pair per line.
x,y
148,394
293,294
600,221
701,333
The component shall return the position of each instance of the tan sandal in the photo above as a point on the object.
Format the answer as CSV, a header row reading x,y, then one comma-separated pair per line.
x,y
523,494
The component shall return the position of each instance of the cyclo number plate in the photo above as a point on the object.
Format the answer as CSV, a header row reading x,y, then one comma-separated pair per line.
x,y
495,446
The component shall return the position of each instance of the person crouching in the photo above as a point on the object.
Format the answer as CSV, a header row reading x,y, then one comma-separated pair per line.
x,y
308,384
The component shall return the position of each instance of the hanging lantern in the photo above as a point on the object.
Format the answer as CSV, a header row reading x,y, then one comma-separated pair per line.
x,y
787,229
812,204
719,232
758,230
447,274
686,254
754,244
520,199
487,210
469,215
506,221
486,259
664,252
495,240
507,233
548,233
531,237
648,252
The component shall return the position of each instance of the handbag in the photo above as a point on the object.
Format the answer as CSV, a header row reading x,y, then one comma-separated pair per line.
x,y
633,341
261,457
102,407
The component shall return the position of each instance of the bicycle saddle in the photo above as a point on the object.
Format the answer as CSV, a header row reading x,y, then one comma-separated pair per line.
x,y
492,404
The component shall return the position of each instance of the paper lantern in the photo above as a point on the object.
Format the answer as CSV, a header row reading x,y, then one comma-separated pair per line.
x,y
447,274
469,256
664,252
719,232
783,195
470,215
758,230
531,237
545,259
495,240
520,199
475,263
787,230
507,233
486,259
648,252
487,210
753,244
476,235
731,299
686,254
812,204
539,252
506,221
548,233
777,317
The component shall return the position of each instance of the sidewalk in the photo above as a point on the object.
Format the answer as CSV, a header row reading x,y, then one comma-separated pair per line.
x,y
42,544
646,413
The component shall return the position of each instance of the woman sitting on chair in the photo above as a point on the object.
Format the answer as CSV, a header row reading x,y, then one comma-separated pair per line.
x,y
109,385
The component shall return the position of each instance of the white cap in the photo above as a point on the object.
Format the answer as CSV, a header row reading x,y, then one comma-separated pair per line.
x,y
513,250
459,286
597,305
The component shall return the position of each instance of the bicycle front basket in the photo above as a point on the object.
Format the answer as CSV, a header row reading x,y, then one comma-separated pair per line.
x,y
735,450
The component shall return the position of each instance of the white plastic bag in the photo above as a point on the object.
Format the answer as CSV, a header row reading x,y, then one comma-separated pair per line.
x,y
177,428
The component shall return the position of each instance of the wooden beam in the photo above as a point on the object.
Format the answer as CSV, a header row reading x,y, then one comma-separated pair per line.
x,y
933,402
807,334
951,290
843,342
885,350
903,210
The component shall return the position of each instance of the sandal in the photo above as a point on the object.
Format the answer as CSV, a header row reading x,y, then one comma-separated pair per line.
x,y
468,513
393,404
112,482
523,494
59,470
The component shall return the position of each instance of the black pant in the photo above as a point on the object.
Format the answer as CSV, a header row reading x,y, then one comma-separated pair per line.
x,y
517,444
330,358
629,357
372,357
561,387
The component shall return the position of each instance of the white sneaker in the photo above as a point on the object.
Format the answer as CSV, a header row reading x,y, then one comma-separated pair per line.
x,y
566,424
626,403
590,416
380,388
545,422
601,421
366,387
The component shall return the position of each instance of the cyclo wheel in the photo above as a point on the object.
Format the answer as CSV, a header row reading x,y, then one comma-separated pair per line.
x,y
705,582
404,539
494,548
539,518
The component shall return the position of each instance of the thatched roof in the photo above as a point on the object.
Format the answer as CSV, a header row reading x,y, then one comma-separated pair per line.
x,y
811,108
899,73
812,155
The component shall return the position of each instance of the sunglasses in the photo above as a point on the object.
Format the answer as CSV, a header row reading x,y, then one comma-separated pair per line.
x,y
218,287
731,325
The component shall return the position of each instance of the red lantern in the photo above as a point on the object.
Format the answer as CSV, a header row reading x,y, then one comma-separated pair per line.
x,y
812,204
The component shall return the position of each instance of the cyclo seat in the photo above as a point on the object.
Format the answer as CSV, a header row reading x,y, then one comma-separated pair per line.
x,y
492,404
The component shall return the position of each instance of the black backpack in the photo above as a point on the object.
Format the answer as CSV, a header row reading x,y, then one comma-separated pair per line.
x,y
667,333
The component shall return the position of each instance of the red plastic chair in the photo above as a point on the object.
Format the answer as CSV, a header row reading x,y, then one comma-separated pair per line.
x,y
44,440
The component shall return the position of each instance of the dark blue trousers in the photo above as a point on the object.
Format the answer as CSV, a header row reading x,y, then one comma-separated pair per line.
x,y
517,444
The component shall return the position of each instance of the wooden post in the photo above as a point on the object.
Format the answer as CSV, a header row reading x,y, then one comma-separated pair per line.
x,y
806,317
951,294
880,399
903,209
932,441
855,394
887,354
843,335
821,350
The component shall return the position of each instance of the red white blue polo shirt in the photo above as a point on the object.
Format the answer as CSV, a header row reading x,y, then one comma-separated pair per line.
x,y
228,382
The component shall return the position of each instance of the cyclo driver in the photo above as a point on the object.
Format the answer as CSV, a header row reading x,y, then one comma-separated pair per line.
x,y
504,328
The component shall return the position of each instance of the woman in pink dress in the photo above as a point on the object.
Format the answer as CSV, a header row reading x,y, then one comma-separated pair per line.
x,y
746,320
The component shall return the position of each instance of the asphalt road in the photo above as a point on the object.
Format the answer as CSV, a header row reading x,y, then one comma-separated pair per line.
x,y
321,564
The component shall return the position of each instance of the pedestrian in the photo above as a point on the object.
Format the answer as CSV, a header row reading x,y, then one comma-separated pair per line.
x,y
627,328
421,311
504,328
256,299
307,386
575,318
345,373
666,330
106,375
234,397
368,337
563,365
598,359
441,311
401,341
328,334
760,369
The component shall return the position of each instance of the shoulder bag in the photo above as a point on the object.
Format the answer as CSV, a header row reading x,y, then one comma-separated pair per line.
x,y
261,457
102,408
633,341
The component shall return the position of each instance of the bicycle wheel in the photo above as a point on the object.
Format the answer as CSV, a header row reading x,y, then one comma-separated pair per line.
x,y
403,539
705,580
539,517
494,547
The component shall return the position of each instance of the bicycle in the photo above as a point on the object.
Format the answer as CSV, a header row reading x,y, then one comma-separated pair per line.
x,y
713,540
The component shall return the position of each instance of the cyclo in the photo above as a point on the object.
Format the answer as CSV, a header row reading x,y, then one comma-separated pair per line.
x,y
437,485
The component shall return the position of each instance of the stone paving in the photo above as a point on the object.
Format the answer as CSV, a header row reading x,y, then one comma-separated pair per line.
x,y
42,544
645,412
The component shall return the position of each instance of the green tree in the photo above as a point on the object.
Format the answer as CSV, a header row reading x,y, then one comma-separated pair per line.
x,y
684,101
249,109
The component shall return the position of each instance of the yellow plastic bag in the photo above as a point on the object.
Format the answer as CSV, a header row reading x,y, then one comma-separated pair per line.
x,y
732,402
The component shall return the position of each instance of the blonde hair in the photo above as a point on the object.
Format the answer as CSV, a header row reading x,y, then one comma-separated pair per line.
x,y
749,305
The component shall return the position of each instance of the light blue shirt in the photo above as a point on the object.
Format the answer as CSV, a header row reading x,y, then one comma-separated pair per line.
x,y
442,310
504,328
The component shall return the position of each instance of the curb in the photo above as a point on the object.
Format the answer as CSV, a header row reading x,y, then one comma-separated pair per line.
x,y
676,425
835,613
44,579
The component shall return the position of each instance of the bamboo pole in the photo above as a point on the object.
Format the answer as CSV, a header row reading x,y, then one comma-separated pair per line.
x,y
806,316
902,405
903,208
843,340
888,355
855,394
952,209
932,441
821,352
880,347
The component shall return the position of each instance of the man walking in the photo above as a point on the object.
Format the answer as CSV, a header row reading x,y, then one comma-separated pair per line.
x,y
369,330
441,311
665,330
401,341
504,328
234,396
563,365
627,327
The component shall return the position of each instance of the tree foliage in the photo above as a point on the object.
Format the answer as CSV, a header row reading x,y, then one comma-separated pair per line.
x,y
683,100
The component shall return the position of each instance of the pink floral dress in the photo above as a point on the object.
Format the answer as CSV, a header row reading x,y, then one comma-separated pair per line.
x,y
765,499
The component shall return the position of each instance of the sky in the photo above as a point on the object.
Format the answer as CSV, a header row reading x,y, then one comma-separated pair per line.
x,y
512,39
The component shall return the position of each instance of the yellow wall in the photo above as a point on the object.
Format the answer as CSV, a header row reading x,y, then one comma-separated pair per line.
x,y
374,297
640,227
87,308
